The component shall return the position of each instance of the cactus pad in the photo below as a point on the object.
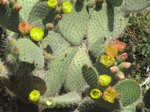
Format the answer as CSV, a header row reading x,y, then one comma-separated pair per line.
x,y
66,69
130,90
90,75
9,18
41,14
55,42
30,53
146,99
73,25
22,86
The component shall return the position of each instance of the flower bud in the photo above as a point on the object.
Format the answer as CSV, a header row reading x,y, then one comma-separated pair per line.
x,y
17,6
114,69
10,58
126,64
48,56
119,96
49,26
16,49
104,80
123,56
140,105
95,93
11,41
58,16
4,2
120,75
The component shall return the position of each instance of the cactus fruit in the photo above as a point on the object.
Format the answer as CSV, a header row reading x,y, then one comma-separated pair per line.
x,y
62,54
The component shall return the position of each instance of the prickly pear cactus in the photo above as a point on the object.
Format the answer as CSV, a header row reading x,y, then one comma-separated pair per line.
x,y
63,63
128,90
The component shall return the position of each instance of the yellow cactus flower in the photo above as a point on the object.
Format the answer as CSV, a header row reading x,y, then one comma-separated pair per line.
x,y
104,80
107,60
36,34
111,50
95,93
52,3
66,7
34,95
110,94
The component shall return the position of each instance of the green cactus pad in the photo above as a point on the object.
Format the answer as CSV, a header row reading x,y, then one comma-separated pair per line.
x,y
74,79
130,91
22,86
30,53
130,108
41,14
88,105
55,42
90,74
55,77
135,5
114,2
26,8
9,18
66,69
106,23
73,25
104,104
67,100
146,99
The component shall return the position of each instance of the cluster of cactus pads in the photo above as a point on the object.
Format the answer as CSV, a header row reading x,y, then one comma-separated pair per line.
x,y
63,56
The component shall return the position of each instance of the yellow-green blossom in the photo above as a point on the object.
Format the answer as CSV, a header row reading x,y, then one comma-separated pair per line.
x,y
95,93
104,80
110,94
52,3
34,95
107,60
36,34
66,7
